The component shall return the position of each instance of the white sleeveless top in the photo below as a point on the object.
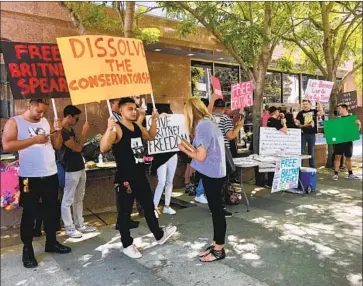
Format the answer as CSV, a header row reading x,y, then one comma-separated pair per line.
x,y
37,160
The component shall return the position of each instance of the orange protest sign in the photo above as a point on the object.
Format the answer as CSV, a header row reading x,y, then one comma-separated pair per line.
x,y
103,67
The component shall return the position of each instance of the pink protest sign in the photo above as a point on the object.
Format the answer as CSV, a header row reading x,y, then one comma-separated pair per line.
x,y
217,86
318,90
10,192
241,95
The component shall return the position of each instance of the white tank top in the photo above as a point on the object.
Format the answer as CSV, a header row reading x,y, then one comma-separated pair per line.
x,y
37,160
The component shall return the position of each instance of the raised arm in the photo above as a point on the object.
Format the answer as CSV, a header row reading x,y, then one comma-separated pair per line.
x,y
149,135
110,137
213,98
10,140
319,108
56,137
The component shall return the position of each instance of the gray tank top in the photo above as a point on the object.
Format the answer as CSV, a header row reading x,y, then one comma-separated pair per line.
x,y
37,160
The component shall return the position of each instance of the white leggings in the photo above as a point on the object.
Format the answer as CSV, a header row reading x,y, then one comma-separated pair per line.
x,y
166,174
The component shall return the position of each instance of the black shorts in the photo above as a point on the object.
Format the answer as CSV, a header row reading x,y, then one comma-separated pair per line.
x,y
185,158
345,149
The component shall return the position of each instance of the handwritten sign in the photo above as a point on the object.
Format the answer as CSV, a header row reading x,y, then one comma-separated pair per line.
x,y
318,90
217,86
170,130
274,142
286,175
242,95
35,70
348,98
104,67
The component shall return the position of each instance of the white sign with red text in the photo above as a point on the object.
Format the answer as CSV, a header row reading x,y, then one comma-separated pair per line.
x,y
241,95
318,90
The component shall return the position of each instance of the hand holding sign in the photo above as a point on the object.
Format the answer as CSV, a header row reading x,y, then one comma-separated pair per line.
x,y
111,124
85,129
57,125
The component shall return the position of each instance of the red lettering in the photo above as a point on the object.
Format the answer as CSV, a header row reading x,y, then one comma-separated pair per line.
x,y
121,45
128,65
25,70
72,85
100,48
128,48
62,84
53,69
89,47
93,81
53,85
108,79
14,70
73,43
110,62
136,47
23,86
43,85
20,49
61,69
125,80
34,52
101,79
33,83
43,68
46,53
55,53
114,79
83,83
111,40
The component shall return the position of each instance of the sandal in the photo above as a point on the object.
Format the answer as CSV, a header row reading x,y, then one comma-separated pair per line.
x,y
207,250
218,255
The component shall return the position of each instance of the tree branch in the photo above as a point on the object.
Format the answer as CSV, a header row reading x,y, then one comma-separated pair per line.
x,y
76,22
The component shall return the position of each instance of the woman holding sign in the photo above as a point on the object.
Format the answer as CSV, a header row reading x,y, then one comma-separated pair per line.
x,y
208,159
164,165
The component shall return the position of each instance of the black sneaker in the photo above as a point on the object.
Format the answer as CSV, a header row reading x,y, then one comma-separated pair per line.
x,y
133,224
57,248
29,260
227,213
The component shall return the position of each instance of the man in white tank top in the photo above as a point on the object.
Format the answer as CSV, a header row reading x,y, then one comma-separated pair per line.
x,y
32,136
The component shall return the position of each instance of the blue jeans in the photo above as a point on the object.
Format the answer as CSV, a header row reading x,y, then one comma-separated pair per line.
x,y
200,189
310,139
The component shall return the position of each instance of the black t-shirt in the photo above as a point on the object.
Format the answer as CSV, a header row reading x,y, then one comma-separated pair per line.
x,y
276,123
129,154
308,116
71,160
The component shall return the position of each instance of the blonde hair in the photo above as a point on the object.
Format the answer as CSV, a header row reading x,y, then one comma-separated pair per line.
x,y
194,110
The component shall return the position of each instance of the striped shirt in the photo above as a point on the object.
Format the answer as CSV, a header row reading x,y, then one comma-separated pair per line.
x,y
225,124
117,116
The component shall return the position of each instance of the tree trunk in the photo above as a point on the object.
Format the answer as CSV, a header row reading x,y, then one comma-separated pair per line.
x,y
332,106
256,116
129,19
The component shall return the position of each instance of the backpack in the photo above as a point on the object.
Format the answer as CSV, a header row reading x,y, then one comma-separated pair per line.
x,y
231,193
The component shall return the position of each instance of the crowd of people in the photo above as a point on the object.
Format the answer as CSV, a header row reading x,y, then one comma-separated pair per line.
x,y
212,133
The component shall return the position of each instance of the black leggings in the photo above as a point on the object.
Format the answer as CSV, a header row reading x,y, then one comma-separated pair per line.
x,y
213,189
140,189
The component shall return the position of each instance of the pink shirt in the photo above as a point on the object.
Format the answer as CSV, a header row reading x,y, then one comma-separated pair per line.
x,y
265,117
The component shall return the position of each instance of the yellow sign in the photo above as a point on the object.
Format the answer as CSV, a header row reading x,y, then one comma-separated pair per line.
x,y
103,67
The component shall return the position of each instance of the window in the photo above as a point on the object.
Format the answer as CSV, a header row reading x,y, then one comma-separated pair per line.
x,y
200,76
290,92
227,75
6,98
272,88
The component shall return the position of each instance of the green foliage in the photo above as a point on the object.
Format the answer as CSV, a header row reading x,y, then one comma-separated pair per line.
x,y
197,76
148,35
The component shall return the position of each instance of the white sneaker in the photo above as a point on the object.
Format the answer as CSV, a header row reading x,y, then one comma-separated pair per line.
x,y
86,228
169,210
132,252
201,199
168,232
156,214
72,232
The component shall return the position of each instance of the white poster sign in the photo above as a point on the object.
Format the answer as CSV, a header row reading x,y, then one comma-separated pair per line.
x,y
276,143
170,130
286,175
318,90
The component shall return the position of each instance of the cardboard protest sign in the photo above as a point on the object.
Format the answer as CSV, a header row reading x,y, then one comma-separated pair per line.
x,y
348,98
341,130
217,86
242,95
286,175
318,90
170,130
104,67
35,70
274,142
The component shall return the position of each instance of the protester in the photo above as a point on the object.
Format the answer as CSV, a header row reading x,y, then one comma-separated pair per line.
x,y
130,180
290,121
275,121
116,113
309,126
165,166
344,149
208,159
32,136
265,116
75,173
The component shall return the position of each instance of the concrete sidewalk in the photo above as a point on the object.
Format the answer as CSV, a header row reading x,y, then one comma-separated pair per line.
x,y
286,239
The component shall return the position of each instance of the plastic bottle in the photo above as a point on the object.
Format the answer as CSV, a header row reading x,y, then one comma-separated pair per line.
x,y
100,159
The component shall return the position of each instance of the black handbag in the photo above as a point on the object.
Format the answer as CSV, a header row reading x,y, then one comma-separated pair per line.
x,y
231,168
